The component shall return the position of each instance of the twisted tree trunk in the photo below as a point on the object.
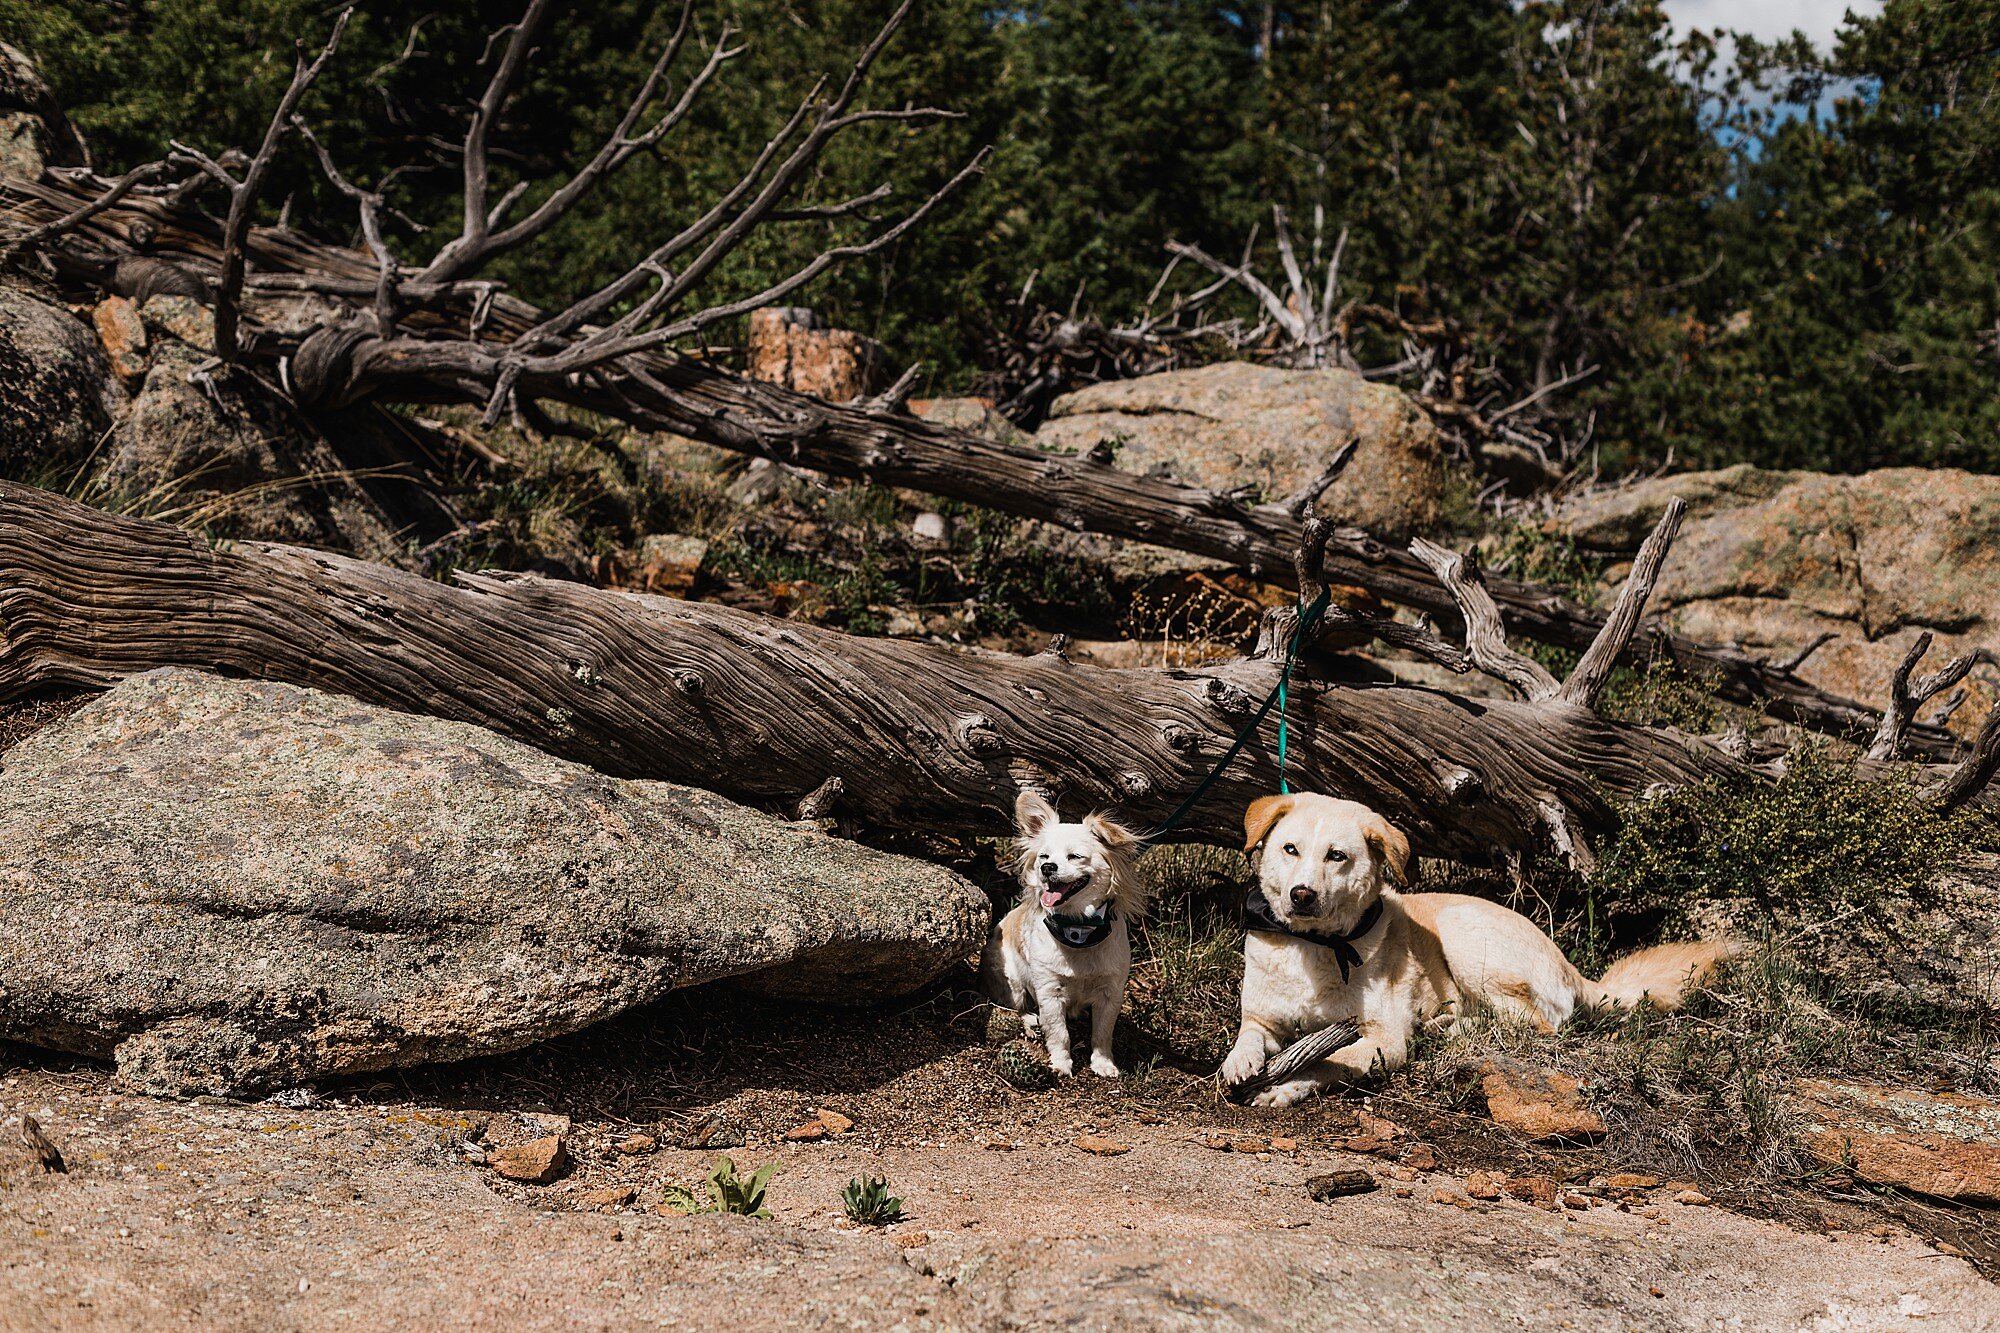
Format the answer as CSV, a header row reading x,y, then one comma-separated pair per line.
x,y
305,302
759,709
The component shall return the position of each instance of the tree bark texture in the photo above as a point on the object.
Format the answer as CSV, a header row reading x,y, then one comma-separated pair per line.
x,y
922,737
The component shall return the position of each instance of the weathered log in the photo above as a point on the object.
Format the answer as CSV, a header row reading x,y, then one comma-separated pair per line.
x,y
922,737
302,294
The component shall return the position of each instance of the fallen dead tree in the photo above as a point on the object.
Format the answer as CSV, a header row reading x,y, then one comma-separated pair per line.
x,y
344,326
921,737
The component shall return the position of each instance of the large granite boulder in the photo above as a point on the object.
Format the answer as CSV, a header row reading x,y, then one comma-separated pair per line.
x,y
1236,424
229,887
57,393
1772,559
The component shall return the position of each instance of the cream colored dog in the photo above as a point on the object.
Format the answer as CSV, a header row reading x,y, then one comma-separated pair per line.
x,y
1330,940
1067,946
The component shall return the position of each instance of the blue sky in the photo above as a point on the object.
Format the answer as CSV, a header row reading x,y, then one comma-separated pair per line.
x,y
1818,19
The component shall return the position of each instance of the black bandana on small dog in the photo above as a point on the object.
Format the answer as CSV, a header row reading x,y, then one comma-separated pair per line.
x,y
1259,916
1079,932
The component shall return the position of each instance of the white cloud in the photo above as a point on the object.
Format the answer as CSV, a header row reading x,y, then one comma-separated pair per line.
x,y
1768,19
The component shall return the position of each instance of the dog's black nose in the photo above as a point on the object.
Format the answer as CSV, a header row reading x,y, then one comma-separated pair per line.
x,y
1303,895
1049,868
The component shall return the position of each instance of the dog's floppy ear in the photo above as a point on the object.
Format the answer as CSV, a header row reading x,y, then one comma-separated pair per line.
x,y
1262,814
1110,832
1033,813
1391,845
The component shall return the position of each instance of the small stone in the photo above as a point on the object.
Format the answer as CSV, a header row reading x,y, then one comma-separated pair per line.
x,y
1538,1190
912,1240
536,1162
1402,1191
1366,1144
1216,1142
181,317
123,334
1339,1184
835,1122
1400,1173
1279,1143
1380,1126
810,1131
1442,1196
669,563
1250,1146
930,527
1631,1180
1692,1198
638,1145
1484,1184
997,1145
1155,1118
610,1196
1101,1146
1420,1158
1576,1203
1655,1291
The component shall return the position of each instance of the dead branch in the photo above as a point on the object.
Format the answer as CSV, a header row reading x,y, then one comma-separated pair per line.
x,y
243,192
1586,682
1485,632
1907,695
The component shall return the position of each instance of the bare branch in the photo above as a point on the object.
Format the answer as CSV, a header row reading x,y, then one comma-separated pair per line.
x,y
370,204
243,194
1485,634
1586,682
1298,501
1974,774
1798,659
1907,695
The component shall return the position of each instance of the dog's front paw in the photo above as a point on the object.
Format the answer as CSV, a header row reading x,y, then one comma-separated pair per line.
x,y
1286,1094
1103,1066
1242,1066
1062,1064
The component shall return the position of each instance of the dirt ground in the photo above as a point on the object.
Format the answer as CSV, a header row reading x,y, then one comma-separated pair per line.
x,y
361,1207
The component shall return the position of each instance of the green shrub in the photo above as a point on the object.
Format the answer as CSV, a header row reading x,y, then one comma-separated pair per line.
x,y
727,1192
1821,840
870,1203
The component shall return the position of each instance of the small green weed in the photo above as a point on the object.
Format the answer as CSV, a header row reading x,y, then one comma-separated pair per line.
x,y
870,1203
727,1192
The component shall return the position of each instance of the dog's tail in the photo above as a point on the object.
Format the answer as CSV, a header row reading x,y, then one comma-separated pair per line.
x,y
1660,976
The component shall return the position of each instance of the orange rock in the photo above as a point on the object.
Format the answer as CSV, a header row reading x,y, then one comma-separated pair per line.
x,y
1102,1147
1946,1145
1379,1126
835,1122
913,1240
1540,1103
123,334
1484,1184
1279,1143
789,346
806,1133
610,1196
1366,1143
1538,1190
537,1162
1420,1157
1629,1180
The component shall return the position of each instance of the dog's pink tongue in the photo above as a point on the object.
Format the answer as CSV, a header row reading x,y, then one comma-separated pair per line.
x,y
1050,898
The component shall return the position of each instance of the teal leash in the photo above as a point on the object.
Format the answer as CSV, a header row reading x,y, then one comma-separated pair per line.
x,y
1308,617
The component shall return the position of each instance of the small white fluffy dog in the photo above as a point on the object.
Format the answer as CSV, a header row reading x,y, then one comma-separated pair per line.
x,y
1330,940
1067,946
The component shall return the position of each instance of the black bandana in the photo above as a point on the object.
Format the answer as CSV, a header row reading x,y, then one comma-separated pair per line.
x,y
1079,932
1258,916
